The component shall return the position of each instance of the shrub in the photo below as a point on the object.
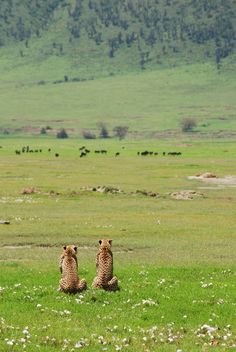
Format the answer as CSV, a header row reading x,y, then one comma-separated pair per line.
x,y
103,130
188,124
62,134
41,83
43,131
88,135
120,131
6,131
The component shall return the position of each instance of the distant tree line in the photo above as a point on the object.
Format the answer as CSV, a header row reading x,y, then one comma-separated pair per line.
x,y
118,131
156,28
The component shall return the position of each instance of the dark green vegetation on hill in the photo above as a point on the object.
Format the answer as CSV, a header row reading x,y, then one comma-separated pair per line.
x,y
96,37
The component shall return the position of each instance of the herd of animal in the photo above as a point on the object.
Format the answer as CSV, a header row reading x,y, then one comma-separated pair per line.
x,y
70,281
85,151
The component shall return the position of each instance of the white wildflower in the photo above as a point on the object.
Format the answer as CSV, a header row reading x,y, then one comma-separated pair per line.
x,y
10,342
78,345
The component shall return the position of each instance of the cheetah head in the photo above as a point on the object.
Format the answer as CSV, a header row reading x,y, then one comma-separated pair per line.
x,y
70,250
105,243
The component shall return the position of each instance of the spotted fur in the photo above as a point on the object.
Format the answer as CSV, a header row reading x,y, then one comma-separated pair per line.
x,y
104,266
70,282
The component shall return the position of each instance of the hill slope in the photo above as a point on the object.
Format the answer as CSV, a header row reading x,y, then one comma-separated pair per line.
x,y
91,38
149,103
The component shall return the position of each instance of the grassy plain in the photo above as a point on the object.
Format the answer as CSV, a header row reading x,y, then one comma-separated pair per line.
x,y
175,258
149,103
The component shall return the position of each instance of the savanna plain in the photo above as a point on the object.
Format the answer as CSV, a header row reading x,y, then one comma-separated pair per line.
x,y
174,258
145,65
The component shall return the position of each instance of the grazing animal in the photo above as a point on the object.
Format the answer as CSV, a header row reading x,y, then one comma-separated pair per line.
x,y
70,282
49,149
117,154
56,155
82,154
104,266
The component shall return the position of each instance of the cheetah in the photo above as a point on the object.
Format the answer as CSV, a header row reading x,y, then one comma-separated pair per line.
x,y
104,266
70,282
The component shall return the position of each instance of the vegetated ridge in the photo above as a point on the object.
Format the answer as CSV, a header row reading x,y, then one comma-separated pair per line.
x,y
90,36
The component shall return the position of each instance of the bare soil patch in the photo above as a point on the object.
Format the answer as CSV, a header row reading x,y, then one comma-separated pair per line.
x,y
208,177
186,195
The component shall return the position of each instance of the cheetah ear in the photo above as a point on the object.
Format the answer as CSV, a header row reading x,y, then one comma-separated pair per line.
x,y
75,248
110,242
100,241
64,247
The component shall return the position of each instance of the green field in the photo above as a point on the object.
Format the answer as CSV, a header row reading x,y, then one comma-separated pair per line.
x,y
150,103
175,259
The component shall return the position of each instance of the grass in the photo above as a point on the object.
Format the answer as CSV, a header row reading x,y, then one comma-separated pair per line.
x,y
149,103
175,275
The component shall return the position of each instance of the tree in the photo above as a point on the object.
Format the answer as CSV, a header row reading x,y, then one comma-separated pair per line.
x,y
62,134
103,130
120,131
43,130
188,123
88,135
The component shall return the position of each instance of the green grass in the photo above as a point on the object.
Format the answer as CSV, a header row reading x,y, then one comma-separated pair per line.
x,y
149,103
176,276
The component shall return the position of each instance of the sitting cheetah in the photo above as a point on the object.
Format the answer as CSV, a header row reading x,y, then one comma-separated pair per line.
x,y
104,265
70,282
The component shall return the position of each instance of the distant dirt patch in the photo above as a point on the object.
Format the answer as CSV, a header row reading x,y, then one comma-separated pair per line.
x,y
4,222
205,175
186,195
29,190
103,189
116,190
34,190
19,246
213,179
147,193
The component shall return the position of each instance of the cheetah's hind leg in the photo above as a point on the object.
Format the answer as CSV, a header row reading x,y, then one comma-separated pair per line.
x,y
113,284
96,283
61,286
82,285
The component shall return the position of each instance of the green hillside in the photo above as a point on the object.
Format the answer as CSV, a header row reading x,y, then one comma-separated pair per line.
x,y
145,64
90,38
149,103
